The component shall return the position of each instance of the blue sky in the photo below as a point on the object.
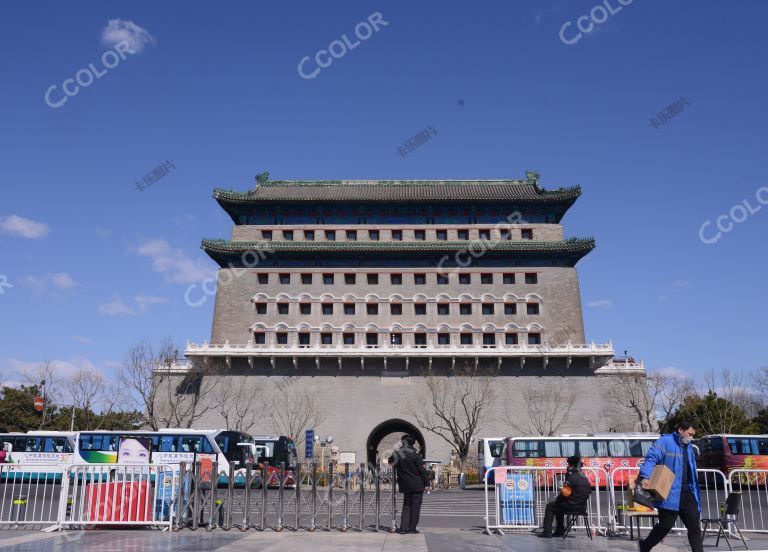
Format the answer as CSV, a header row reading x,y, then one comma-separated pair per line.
x,y
213,87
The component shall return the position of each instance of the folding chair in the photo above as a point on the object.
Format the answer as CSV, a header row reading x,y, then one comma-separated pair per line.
x,y
729,518
572,517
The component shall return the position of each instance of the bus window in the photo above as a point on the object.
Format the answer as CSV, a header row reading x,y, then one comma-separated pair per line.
x,y
34,444
528,449
206,447
109,442
57,444
293,458
593,449
567,448
639,449
190,444
168,443
746,445
618,448
552,449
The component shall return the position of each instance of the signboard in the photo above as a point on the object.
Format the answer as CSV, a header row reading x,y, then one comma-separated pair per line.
x,y
309,444
134,450
347,458
39,404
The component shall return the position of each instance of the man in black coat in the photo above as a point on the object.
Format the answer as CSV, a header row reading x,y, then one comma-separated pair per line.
x,y
412,478
572,499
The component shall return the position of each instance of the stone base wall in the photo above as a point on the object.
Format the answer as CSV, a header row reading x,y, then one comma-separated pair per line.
x,y
354,402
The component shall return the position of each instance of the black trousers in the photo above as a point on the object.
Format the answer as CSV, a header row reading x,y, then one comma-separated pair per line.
x,y
554,511
689,515
409,518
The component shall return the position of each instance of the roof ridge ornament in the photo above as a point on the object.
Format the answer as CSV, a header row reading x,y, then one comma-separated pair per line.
x,y
532,177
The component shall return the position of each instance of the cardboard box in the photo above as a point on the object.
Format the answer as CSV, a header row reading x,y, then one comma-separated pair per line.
x,y
660,482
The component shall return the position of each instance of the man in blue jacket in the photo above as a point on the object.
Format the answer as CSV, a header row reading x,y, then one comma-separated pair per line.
x,y
675,451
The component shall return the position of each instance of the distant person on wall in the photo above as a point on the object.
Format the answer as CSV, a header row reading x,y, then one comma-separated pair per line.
x,y
674,450
572,499
412,479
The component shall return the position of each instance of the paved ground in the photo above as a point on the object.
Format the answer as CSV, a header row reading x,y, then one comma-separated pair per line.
x,y
431,540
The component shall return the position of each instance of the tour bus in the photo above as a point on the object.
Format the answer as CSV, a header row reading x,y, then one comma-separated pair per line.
x,y
47,451
597,450
276,450
489,455
166,446
728,452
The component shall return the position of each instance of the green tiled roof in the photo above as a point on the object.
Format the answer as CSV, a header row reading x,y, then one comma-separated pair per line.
x,y
223,250
397,190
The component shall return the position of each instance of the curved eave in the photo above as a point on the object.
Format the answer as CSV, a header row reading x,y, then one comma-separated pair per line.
x,y
559,201
228,253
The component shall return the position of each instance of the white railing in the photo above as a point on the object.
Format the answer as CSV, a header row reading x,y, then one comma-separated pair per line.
x,y
229,349
622,367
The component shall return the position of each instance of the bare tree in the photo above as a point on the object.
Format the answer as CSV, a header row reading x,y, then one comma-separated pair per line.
x,y
454,406
760,384
292,407
238,403
45,375
167,396
548,407
87,390
631,391
669,391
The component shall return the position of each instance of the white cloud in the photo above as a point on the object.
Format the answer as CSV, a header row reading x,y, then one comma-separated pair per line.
x,y
118,307
62,368
51,282
174,263
672,372
82,339
118,30
676,287
103,232
145,301
25,228
115,308
600,304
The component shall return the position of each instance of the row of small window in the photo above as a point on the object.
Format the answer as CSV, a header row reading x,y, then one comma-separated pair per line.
x,y
419,309
419,279
419,338
396,235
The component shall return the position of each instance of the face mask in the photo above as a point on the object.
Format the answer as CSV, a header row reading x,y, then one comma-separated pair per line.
x,y
686,439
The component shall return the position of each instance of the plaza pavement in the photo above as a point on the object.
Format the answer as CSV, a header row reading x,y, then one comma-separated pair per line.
x,y
430,540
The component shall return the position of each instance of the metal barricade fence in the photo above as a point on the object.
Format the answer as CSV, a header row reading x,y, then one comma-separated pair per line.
x,y
29,495
117,495
340,498
753,486
712,483
520,495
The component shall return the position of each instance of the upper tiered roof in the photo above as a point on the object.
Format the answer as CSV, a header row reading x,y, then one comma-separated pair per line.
x,y
304,192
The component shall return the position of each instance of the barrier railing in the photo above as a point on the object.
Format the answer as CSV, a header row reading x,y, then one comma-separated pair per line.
x,y
521,493
116,495
753,486
341,497
712,483
29,495
345,497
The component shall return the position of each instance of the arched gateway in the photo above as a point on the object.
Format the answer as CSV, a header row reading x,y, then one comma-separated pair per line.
x,y
351,292
388,428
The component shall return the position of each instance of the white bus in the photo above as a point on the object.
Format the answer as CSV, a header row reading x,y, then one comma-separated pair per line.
x,y
489,455
38,454
166,446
